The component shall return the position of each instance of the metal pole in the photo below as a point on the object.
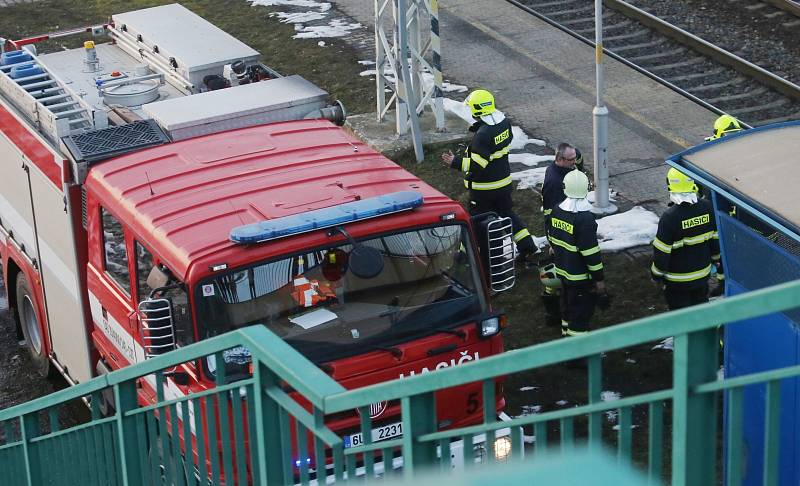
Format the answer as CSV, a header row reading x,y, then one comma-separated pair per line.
x,y
436,46
602,205
405,87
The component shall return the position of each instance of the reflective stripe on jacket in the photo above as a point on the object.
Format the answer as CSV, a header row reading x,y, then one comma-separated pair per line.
x,y
573,238
485,162
686,244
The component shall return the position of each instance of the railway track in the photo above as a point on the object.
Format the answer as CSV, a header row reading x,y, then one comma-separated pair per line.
x,y
719,80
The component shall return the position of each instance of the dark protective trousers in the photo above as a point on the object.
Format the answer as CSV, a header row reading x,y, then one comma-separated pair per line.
x,y
499,201
680,297
577,307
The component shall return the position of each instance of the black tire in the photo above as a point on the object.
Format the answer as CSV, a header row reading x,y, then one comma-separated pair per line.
x,y
31,327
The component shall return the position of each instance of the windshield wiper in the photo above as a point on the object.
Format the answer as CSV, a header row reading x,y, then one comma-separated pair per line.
x,y
397,353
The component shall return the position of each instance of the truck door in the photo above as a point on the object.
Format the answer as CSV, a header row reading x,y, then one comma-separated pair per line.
x,y
110,294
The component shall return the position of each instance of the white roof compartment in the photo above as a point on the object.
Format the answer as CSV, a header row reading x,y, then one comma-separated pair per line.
x,y
174,32
273,100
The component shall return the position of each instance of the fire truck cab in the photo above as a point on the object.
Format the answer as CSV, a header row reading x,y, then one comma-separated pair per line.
x,y
156,194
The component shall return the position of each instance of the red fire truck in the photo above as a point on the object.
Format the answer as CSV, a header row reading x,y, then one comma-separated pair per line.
x,y
156,194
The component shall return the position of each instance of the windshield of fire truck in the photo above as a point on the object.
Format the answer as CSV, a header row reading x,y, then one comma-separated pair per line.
x,y
429,281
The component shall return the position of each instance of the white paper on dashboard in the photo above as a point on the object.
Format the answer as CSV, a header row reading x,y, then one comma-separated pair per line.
x,y
313,318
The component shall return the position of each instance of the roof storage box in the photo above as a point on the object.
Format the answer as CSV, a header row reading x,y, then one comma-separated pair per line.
x,y
280,99
174,32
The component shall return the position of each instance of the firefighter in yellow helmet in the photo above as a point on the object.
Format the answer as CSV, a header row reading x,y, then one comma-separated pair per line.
x,y
576,255
686,244
724,125
484,163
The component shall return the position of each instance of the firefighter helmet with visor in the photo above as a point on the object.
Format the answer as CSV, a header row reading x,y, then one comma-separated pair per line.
x,y
677,181
480,102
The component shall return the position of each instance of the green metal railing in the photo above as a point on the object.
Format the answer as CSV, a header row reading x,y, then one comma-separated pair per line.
x,y
269,428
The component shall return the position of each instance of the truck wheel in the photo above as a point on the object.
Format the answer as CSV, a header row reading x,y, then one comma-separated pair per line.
x,y
31,330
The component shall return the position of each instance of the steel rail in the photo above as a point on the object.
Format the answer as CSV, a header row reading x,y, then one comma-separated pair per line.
x,y
621,59
722,56
713,52
785,5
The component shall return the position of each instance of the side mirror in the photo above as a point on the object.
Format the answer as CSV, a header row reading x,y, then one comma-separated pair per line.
x,y
156,326
496,246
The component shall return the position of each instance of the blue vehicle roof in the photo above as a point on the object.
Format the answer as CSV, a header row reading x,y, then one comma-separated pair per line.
x,y
756,169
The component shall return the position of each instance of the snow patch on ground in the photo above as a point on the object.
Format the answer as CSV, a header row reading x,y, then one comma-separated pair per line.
x,y
521,139
561,403
667,344
335,28
631,361
530,178
636,227
633,426
528,388
530,160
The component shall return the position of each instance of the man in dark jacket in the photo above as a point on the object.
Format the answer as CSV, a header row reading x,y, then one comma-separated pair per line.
x,y
578,264
686,244
552,195
484,163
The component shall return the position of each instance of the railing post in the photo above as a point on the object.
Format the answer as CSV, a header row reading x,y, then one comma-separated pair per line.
x,y
419,418
129,452
29,428
694,416
268,428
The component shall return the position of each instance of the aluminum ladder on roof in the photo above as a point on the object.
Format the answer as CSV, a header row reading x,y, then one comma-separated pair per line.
x,y
47,102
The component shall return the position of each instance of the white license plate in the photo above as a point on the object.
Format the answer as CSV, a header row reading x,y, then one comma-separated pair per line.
x,y
378,434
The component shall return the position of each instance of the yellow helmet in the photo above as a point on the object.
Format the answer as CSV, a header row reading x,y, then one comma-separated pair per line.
x,y
480,102
576,184
724,125
677,181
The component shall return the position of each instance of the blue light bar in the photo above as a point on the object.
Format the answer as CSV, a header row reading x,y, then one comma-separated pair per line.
x,y
273,229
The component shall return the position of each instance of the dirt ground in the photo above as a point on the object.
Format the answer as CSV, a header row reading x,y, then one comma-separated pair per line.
x,y
336,70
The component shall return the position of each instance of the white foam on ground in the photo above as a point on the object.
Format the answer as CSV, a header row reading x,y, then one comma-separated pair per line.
x,y
427,79
667,344
610,396
521,138
530,178
335,28
530,160
459,109
298,17
612,196
530,410
636,227
322,6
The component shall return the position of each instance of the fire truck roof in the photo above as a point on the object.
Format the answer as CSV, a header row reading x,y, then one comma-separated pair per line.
x,y
183,198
